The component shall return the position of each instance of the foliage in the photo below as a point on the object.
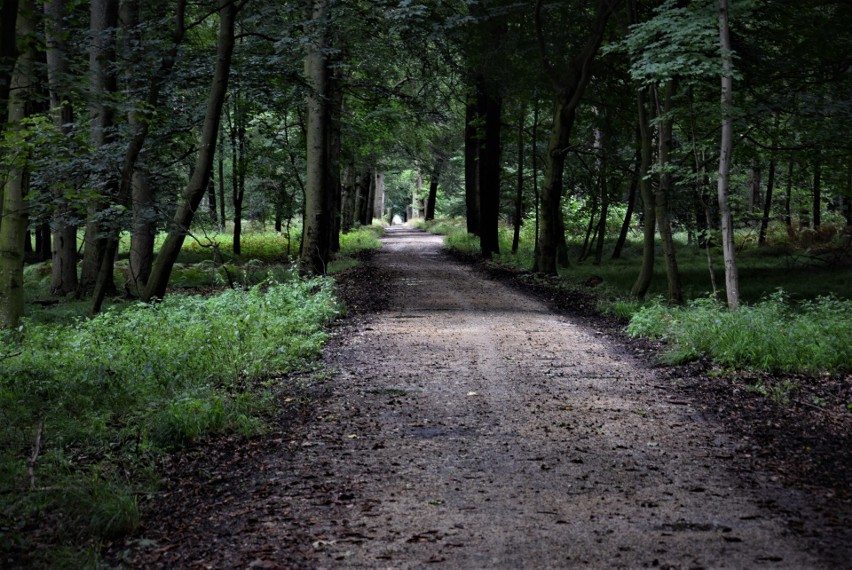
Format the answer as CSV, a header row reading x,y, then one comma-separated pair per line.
x,y
365,237
772,335
107,395
678,41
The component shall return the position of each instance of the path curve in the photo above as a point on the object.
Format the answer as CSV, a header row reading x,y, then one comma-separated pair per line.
x,y
470,427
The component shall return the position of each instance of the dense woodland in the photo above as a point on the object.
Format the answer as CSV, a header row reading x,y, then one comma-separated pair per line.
x,y
614,141
170,118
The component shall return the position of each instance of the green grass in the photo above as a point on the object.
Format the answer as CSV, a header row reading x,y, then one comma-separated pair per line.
x,y
774,335
105,396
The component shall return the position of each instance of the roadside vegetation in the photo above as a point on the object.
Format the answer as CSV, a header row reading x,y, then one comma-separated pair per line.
x,y
796,317
88,406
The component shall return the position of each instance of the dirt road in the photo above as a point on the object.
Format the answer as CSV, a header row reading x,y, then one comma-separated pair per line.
x,y
469,427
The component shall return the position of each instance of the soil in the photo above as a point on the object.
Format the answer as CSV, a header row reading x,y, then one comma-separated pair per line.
x,y
468,417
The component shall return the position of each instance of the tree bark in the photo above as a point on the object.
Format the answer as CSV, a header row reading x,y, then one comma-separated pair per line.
x,y
379,204
732,287
489,175
143,233
211,200
364,198
318,215
767,206
631,203
156,287
370,207
519,184
63,277
13,228
239,165
348,200
433,188
569,87
335,115
104,21
664,190
646,270
471,165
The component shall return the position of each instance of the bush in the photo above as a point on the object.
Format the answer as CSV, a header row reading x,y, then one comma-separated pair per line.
x,y
773,335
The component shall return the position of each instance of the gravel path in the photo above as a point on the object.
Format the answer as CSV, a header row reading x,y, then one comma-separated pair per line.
x,y
470,427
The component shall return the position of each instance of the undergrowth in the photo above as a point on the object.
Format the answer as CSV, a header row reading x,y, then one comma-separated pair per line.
x,y
774,335
86,408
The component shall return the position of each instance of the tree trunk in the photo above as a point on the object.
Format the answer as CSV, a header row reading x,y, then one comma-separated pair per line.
x,y
519,184
221,155
139,124
211,200
63,278
569,85
348,199
318,215
13,228
144,232
371,198
551,189
239,166
817,215
433,188
754,186
8,53
489,175
156,287
664,190
631,203
732,287
104,21
767,206
379,204
788,197
335,114
646,271
362,201
471,165
536,197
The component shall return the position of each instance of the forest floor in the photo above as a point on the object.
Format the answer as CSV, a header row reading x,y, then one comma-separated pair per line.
x,y
471,418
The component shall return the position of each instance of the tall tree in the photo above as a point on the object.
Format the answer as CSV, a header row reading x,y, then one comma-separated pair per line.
x,y
732,287
197,185
569,85
665,188
63,279
129,182
316,245
13,226
103,86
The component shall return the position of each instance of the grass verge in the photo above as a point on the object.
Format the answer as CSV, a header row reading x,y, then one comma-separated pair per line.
x,y
88,409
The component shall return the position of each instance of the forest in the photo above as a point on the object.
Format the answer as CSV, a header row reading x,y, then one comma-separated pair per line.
x,y
181,180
